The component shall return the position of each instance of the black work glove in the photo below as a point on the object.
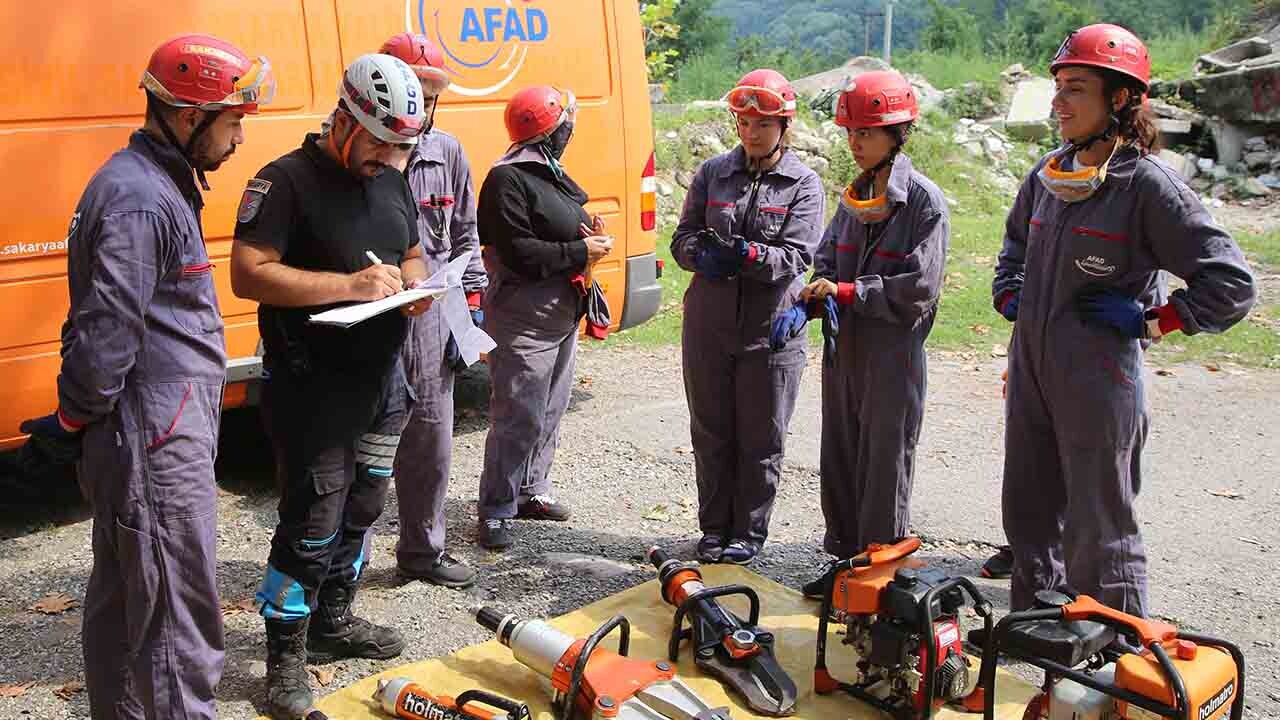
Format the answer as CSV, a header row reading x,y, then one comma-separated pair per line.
x,y
52,441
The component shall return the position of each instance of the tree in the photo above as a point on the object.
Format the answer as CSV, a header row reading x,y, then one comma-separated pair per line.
x,y
951,29
701,31
657,18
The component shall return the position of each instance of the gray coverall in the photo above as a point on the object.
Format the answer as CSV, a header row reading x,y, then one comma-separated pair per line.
x,y
890,276
440,177
741,394
1076,415
143,364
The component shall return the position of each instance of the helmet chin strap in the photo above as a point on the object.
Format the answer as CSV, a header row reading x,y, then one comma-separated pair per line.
x,y
755,163
344,154
1110,131
186,149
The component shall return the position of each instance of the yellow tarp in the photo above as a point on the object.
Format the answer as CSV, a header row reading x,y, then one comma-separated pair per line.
x,y
793,620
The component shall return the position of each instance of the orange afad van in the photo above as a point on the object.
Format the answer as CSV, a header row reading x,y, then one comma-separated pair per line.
x,y
69,79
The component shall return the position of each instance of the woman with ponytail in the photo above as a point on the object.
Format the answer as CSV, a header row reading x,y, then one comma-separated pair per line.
x,y
1092,227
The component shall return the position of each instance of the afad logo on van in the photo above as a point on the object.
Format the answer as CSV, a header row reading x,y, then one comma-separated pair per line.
x,y
485,45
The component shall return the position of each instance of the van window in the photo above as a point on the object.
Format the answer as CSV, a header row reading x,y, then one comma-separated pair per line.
x,y
494,48
96,52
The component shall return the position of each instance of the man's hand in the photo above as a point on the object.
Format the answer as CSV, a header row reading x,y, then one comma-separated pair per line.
x,y
417,307
375,282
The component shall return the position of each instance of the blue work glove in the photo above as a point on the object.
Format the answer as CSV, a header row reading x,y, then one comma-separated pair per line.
x,y
830,329
1104,307
788,325
477,317
51,440
717,265
453,356
1009,308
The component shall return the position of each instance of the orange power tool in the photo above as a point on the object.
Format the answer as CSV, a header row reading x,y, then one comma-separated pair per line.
x,y
592,682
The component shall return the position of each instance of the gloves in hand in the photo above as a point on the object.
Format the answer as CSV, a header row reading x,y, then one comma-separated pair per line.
x,y
453,356
788,325
1009,308
51,440
830,329
1104,307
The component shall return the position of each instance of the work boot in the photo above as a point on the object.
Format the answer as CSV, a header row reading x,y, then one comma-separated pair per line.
x,y
1000,565
336,633
542,507
446,571
288,683
495,534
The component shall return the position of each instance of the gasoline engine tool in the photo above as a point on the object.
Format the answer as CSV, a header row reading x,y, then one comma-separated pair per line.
x,y
403,698
598,682
1088,676
902,619
736,652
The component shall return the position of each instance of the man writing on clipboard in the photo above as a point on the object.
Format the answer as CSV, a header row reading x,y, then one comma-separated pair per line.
x,y
329,223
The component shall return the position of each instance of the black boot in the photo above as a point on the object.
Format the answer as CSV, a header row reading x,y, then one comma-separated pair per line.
x,y
288,688
336,633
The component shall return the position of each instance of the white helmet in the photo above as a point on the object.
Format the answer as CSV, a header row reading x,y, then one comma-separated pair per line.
x,y
384,96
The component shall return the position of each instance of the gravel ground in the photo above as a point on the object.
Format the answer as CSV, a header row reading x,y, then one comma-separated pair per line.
x,y
1208,512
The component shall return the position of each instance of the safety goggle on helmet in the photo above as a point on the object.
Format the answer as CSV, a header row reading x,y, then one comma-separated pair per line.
x,y
762,92
203,72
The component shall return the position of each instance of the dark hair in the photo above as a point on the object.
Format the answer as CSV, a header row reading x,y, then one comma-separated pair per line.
x,y
159,108
1136,123
900,132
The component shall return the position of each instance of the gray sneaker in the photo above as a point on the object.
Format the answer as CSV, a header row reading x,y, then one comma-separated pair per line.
x,y
495,534
446,571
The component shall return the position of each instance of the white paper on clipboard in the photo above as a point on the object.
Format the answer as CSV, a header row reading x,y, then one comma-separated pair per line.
x,y
434,287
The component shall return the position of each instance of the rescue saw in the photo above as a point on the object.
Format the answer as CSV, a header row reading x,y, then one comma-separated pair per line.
x,y
589,681
736,652
902,619
1089,676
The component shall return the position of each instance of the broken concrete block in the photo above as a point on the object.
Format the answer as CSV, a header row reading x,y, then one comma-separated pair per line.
x,y
1257,143
1270,181
1257,160
1253,187
1205,164
1233,55
1178,163
1168,126
1029,113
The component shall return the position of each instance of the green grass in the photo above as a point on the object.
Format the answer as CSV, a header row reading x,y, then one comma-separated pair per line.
x,y
948,70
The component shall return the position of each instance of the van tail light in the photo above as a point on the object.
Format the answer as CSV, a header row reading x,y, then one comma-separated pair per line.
x,y
649,196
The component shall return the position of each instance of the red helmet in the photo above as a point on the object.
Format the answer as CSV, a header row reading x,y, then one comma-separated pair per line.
x,y
876,99
1110,47
536,112
763,93
204,72
418,52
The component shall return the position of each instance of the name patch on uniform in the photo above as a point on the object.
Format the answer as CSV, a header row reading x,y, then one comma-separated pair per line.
x,y
254,193
1096,266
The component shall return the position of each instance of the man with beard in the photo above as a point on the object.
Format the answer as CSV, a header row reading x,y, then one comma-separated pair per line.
x,y
140,388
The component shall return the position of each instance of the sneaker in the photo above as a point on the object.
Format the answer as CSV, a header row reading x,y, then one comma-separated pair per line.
x,y
1000,565
710,547
740,552
542,507
446,571
495,534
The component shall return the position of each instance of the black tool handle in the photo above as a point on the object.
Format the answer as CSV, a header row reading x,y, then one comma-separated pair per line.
x,y
514,710
490,618
588,647
658,556
704,602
